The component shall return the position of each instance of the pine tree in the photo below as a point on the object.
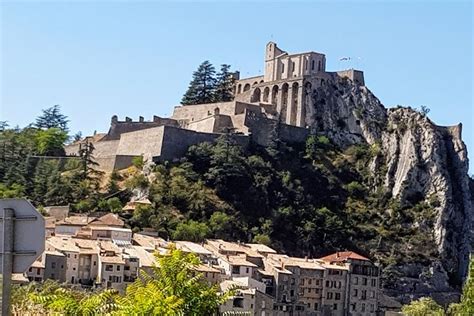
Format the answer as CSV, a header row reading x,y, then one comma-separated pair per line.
x,y
202,87
224,85
52,117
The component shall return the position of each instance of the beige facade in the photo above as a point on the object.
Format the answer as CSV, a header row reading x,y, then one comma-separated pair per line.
x,y
288,83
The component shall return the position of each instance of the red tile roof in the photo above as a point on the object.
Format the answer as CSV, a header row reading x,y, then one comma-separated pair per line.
x,y
343,256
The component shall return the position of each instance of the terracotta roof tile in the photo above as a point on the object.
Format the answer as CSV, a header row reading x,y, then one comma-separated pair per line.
x,y
344,256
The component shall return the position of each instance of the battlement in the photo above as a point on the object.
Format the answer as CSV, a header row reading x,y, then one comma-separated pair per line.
x,y
117,128
357,76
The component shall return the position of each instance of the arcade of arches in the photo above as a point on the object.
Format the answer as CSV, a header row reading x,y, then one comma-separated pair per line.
x,y
290,100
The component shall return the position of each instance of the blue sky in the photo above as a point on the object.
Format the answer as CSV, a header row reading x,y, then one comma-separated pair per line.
x,y
100,58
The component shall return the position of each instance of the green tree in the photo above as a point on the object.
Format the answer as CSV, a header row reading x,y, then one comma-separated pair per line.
x,y
224,84
172,288
466,306
191,230
422,307
51,141
114,204
52,118
202,87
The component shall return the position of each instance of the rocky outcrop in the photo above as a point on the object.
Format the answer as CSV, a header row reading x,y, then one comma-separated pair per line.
x,y
347,113
423,162
428,162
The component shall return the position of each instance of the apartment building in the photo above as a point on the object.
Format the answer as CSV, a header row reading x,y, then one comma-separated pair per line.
x,y
363,282
247,300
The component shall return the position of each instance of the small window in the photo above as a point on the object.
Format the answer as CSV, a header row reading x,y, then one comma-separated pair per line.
x,y
319,65
337,296
95,263
282,68
356,280
312,65
293,66
334,307
292,293
118,268
309,281
53,265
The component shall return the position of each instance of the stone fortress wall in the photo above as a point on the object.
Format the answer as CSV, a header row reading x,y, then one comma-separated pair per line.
x,y
276,102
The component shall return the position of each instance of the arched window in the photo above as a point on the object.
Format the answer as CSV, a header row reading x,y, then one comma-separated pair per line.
x,y
293,66
282,68
312,65
256,95
319,65
247,87
266,94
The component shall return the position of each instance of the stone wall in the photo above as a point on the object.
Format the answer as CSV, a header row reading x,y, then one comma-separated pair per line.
x,y
146,142
118,128
263,130
356,76
188,114
199,111
176,142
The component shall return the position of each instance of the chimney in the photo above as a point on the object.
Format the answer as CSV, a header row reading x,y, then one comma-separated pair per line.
x,y
156,118
127,119
141,119
114,119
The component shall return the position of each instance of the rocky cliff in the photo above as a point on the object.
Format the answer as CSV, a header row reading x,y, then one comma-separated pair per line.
x,y
419,162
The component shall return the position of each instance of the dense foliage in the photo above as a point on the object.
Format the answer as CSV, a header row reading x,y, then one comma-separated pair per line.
x,y
207,87
303,199
32,164
172,287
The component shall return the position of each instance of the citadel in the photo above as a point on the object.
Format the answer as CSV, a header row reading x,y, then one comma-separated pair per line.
x,y
282,95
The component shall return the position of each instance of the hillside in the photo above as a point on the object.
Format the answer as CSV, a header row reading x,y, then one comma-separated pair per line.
x,y
389,184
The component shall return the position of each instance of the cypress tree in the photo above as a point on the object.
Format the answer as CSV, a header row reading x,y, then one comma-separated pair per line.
x,y
202,87
224,85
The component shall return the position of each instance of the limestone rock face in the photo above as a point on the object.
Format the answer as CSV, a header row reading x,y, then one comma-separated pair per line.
x,y
430,162
424,162
347,113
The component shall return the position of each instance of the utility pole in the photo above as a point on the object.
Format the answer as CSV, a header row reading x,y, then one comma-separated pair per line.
x,y
7,255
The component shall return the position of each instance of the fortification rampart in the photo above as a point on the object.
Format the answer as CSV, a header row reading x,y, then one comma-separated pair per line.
x,y
262,130
146,142
356,76
118,128
176,142
196,112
